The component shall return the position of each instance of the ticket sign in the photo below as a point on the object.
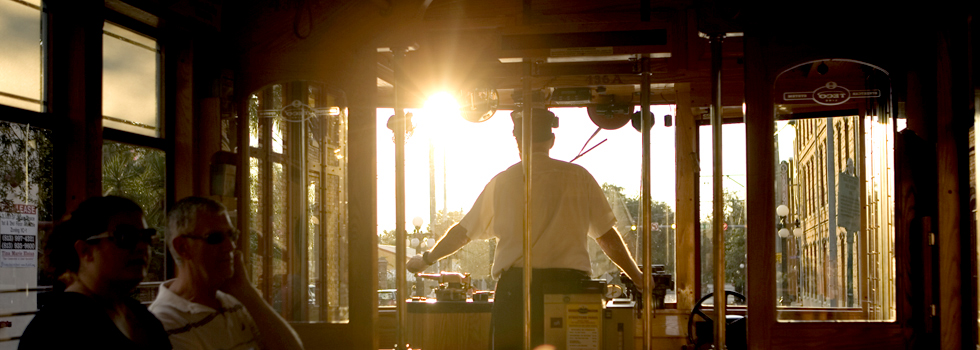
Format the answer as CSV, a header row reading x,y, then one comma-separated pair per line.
x,y
831,94
584,325
18,236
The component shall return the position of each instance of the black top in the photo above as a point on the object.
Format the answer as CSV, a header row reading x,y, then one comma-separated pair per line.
x,y
73,321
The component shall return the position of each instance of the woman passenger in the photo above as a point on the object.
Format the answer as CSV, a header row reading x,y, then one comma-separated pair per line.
x,y
101,254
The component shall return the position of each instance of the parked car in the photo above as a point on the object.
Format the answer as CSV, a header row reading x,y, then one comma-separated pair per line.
x,y
386,297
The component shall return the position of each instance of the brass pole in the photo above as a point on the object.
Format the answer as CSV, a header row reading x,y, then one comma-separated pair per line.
x,y
646,212
526,151
718,203
400,235
832,234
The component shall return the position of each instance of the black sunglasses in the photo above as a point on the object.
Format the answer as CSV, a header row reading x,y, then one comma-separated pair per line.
x,y
127,237
216,237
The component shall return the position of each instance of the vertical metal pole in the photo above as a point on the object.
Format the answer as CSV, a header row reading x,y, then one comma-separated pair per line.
x,y
645,200
400,235
302,218
526,151
432,195
834,289
243,190
718,200
419,282
266,178
792,270
445,211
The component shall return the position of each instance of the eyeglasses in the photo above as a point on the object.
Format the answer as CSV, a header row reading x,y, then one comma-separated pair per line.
x,y
216,237
127,237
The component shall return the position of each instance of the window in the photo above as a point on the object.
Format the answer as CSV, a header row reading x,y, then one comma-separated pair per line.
x,y
20,54
26,204
460,157
130,81
133,162
734,208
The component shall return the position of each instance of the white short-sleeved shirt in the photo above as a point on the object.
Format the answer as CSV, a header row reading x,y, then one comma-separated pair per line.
x,y
194,326
567,207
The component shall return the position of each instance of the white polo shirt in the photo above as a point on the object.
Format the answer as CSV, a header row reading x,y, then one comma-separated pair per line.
x,y
194,326
567,207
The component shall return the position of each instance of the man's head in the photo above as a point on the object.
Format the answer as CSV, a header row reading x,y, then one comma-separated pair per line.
x,y
542,121
201,238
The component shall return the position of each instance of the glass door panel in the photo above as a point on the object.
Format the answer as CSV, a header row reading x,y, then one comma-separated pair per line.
x,y
834,138
298,207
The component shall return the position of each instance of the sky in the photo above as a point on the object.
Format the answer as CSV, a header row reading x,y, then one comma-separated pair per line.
x,y
475,152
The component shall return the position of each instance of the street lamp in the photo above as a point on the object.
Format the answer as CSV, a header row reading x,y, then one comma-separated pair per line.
x,y
784,232
782,211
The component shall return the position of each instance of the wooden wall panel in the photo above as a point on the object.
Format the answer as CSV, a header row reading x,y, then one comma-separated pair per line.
x,y
180,118
74,85
760,203
956,292
360,87
686,183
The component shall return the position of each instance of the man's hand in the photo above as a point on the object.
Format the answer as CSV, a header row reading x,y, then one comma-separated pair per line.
x,y
416,264
238,282
275,331
453,240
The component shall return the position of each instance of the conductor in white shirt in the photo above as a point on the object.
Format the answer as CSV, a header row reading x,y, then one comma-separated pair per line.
x,y
567,206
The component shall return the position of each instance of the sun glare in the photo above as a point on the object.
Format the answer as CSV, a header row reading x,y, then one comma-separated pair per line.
x,y
439,112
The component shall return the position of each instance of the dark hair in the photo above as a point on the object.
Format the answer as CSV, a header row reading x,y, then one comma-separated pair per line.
x,y
90,218
542,121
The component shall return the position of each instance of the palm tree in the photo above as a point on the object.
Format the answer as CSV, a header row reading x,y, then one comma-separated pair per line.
x,y
139,173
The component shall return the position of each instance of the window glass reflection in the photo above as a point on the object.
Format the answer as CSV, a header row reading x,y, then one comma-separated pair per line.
x,y
20,54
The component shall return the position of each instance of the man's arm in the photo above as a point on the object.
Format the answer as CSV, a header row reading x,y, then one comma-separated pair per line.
x,y
612,244
274,331
453,240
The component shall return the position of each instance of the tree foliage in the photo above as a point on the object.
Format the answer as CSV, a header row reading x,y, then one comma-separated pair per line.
x,y
139,173
661,234
735,254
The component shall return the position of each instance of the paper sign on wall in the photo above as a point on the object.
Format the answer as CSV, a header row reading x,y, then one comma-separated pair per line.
x,y
18,236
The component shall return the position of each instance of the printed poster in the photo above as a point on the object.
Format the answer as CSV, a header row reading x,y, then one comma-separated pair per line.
x,y
584,322
18,236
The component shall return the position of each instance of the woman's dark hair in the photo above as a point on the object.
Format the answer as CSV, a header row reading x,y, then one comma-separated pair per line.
x,y
90,218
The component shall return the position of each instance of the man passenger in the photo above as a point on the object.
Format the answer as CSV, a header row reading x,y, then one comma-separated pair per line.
x,y
211,304
568,207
